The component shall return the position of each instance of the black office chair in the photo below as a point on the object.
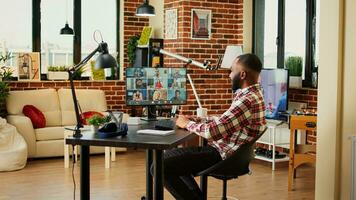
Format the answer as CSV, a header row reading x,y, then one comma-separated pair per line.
x,y
234,166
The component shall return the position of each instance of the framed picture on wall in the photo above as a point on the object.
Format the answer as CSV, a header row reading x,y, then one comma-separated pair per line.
x,y
28,65
171,21
201,24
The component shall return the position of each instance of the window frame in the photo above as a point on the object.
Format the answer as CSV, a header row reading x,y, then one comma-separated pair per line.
x,y
36,31
258,35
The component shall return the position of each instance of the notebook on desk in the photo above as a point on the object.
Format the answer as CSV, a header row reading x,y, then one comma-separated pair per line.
x,y
155,132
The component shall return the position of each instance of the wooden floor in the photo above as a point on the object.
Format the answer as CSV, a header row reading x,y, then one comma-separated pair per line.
x,y
47,179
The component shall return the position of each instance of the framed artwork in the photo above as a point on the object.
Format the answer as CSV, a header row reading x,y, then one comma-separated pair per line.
x,y
171,21
28,66
201,24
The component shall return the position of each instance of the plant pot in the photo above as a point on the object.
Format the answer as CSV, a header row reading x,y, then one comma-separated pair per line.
x,y
58,76
295,82
94,128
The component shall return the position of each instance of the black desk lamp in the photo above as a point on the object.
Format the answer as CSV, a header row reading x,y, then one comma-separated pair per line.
x,y
104,60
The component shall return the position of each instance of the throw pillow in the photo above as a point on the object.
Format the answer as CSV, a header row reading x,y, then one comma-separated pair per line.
x,y
36,116
87,115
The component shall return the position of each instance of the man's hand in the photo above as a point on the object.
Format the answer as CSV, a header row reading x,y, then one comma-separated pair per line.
x,y
182,121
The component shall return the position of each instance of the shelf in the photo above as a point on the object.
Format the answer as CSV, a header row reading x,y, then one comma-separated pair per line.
x,y
271,160
283,145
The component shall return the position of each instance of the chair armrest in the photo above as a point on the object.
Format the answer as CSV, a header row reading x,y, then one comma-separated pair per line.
x,y
24,126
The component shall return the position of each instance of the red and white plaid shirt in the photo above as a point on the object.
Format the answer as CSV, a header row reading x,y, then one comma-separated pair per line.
x,y
242,122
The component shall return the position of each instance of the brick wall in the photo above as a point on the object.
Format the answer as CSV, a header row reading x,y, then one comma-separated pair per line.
x,y
132,25
226,27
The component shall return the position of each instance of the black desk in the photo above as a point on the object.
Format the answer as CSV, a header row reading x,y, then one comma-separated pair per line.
x,y
153,145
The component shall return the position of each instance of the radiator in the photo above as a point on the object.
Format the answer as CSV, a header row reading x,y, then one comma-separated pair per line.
x,y
353,169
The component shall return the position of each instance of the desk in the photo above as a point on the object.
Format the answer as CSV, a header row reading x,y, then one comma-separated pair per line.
x,y
154,145
300,153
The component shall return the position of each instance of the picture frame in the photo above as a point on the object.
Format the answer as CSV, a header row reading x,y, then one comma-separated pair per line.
x,y
28,66
171,24
201,24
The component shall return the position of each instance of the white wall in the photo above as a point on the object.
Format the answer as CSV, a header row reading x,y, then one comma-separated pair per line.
x,y
157,22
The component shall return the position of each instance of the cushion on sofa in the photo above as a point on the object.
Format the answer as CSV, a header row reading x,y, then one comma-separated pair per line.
x,y
89,100
49,133
36,116
45,100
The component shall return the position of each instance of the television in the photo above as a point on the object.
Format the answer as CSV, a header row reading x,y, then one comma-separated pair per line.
x,y
274,84
156,86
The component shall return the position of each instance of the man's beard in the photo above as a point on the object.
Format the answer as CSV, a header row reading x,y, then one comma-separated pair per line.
x,y
236,82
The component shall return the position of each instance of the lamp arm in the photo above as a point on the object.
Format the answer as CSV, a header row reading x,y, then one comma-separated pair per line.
x,y
205,65
77,132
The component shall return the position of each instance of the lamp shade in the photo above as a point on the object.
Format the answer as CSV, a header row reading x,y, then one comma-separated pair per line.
x,y
105,60
67,30
145,10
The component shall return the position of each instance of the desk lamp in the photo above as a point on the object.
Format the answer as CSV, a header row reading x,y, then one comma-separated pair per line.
x,y
104,60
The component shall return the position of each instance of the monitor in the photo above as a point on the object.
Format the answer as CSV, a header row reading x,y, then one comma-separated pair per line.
x,y
274,84
156,86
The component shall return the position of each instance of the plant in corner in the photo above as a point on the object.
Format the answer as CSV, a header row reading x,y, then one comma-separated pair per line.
x,y
96,121
131,48
295,66
4,93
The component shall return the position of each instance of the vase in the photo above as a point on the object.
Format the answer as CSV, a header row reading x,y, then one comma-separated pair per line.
x,y
295,82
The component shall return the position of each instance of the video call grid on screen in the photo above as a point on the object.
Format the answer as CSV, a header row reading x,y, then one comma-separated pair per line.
x,y
156,86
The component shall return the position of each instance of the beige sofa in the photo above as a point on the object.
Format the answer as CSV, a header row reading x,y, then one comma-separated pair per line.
x,y
58,109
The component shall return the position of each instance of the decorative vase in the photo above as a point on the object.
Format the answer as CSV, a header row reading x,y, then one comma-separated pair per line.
x,y
58,76
295,82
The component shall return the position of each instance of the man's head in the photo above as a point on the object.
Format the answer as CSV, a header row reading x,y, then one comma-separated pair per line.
x,y
177,93
245,71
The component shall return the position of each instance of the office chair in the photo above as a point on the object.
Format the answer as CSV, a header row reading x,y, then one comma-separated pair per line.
x,y
233,166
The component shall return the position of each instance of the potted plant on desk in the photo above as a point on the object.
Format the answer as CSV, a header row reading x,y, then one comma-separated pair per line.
x,y
96,121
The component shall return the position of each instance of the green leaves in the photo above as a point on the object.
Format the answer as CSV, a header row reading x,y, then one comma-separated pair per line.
x,y
295,65
97,120
57,68
131,48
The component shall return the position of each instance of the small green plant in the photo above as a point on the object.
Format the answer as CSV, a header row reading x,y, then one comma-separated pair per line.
x,y
57,68
131,48
4,93
6,72
295,65
97,120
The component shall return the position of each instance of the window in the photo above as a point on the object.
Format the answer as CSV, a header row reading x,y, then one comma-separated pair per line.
x,y
16,38
56,49
106,24
284,28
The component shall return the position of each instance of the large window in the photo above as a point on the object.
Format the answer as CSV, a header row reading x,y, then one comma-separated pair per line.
x,y
284,28
56,49
17,37
105,23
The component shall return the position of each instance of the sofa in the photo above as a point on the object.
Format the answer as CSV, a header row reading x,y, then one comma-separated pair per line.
x,y
58,109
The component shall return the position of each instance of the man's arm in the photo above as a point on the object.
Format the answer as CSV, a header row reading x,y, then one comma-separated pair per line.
x,y
228,123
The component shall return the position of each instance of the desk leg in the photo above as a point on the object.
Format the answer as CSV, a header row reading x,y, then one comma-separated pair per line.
x,y
149,181
158,174
204,178
84,173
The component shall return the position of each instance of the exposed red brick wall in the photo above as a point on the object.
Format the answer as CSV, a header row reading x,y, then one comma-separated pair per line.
x,y
212,86
132,25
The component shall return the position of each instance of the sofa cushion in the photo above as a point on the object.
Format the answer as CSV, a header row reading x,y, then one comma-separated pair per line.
x,y
89,100
36,116
45,100
49,133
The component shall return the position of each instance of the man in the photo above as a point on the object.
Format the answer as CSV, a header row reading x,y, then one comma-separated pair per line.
x,y
176,96
241,123
137,96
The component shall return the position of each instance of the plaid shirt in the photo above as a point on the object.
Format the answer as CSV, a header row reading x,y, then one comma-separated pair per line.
x,y
242,122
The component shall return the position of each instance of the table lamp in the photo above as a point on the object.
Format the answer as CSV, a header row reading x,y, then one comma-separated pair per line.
x,y
104,60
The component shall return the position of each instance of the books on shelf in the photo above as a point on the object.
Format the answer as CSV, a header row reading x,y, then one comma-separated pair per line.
x,y
145,36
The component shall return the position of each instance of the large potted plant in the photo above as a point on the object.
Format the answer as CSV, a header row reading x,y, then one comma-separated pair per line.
x,y
57,73
4,93
131,49
295,66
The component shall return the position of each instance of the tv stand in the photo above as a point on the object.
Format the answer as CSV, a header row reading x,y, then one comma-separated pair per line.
x,y
151,114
